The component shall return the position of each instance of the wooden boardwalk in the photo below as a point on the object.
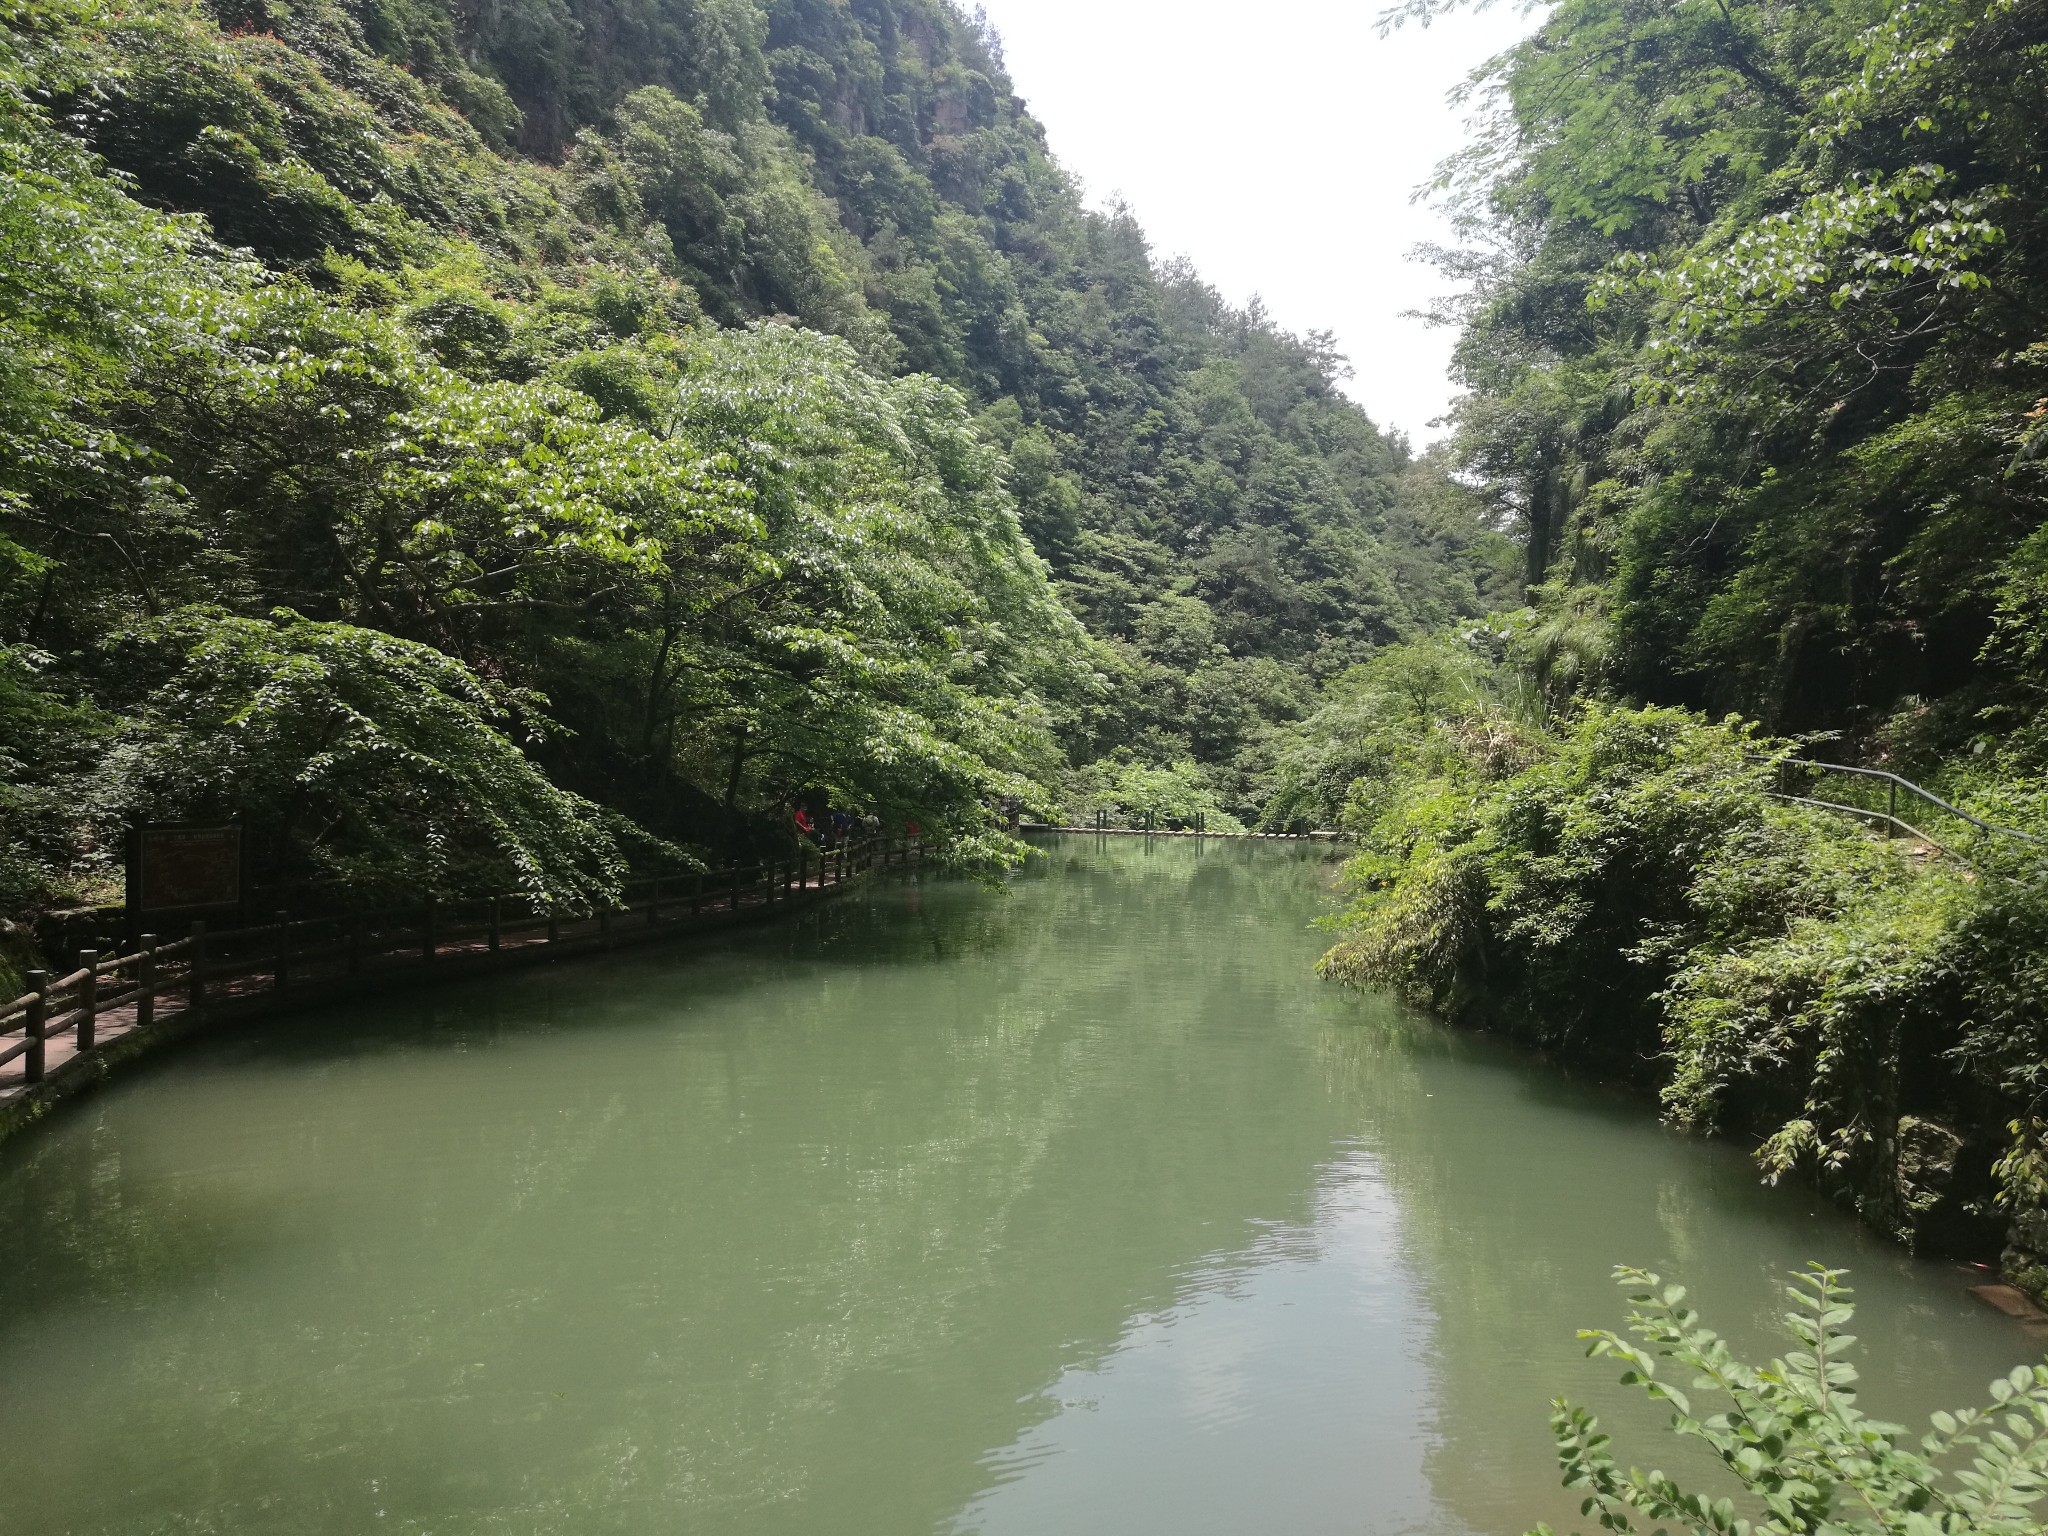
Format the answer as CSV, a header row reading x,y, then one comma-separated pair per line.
x,y
69,1032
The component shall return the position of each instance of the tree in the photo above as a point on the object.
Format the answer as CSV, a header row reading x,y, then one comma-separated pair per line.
x,y
358,758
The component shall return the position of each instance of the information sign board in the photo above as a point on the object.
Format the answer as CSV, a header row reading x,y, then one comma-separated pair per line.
x,y
187,868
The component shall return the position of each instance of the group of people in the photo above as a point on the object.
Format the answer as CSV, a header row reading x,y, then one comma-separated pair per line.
x,y
836,828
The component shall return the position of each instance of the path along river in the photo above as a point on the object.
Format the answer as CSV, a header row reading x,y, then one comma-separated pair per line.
x,y
1079,1209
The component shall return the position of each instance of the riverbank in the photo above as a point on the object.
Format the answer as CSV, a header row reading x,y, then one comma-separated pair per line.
x,y
1633,892
70,1033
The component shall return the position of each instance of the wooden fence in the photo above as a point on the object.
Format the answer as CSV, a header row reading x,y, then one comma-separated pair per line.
x,y
62,1022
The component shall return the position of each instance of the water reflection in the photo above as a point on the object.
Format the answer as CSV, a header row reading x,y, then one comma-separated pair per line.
x,y
1288,1387
1502,1195
1082,1207
1523,1188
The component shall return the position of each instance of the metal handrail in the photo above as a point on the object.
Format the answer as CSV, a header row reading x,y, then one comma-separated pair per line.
x,y
1890,816
1858,810
1931,798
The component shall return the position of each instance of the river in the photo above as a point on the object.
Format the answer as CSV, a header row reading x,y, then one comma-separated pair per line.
x,y
1078,1207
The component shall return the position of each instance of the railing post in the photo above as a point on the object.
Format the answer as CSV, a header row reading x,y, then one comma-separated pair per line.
x,y
1891,804
496,928
281,952
36,1026
86,1030
145,983
196,984
427,938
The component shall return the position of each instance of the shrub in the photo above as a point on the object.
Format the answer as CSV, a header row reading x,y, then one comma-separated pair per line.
x,y
1792,1439
1534,884
1627,890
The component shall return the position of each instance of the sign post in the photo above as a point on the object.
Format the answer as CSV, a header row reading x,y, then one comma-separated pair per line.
x,y
183,869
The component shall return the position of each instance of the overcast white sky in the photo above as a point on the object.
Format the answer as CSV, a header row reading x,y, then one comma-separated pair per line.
x,y
1276,145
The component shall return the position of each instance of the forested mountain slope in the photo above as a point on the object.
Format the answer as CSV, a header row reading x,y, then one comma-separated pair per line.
x,y
493,444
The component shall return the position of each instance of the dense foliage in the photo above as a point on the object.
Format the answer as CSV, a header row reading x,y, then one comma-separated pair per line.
x,y
1624,886
1797,1450
492,448
1751,338
1753,343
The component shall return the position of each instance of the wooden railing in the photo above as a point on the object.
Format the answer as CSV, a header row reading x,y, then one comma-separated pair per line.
x,y
62,1019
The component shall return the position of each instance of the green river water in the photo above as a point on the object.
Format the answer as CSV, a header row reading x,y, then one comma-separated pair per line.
x,y
1080,1208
